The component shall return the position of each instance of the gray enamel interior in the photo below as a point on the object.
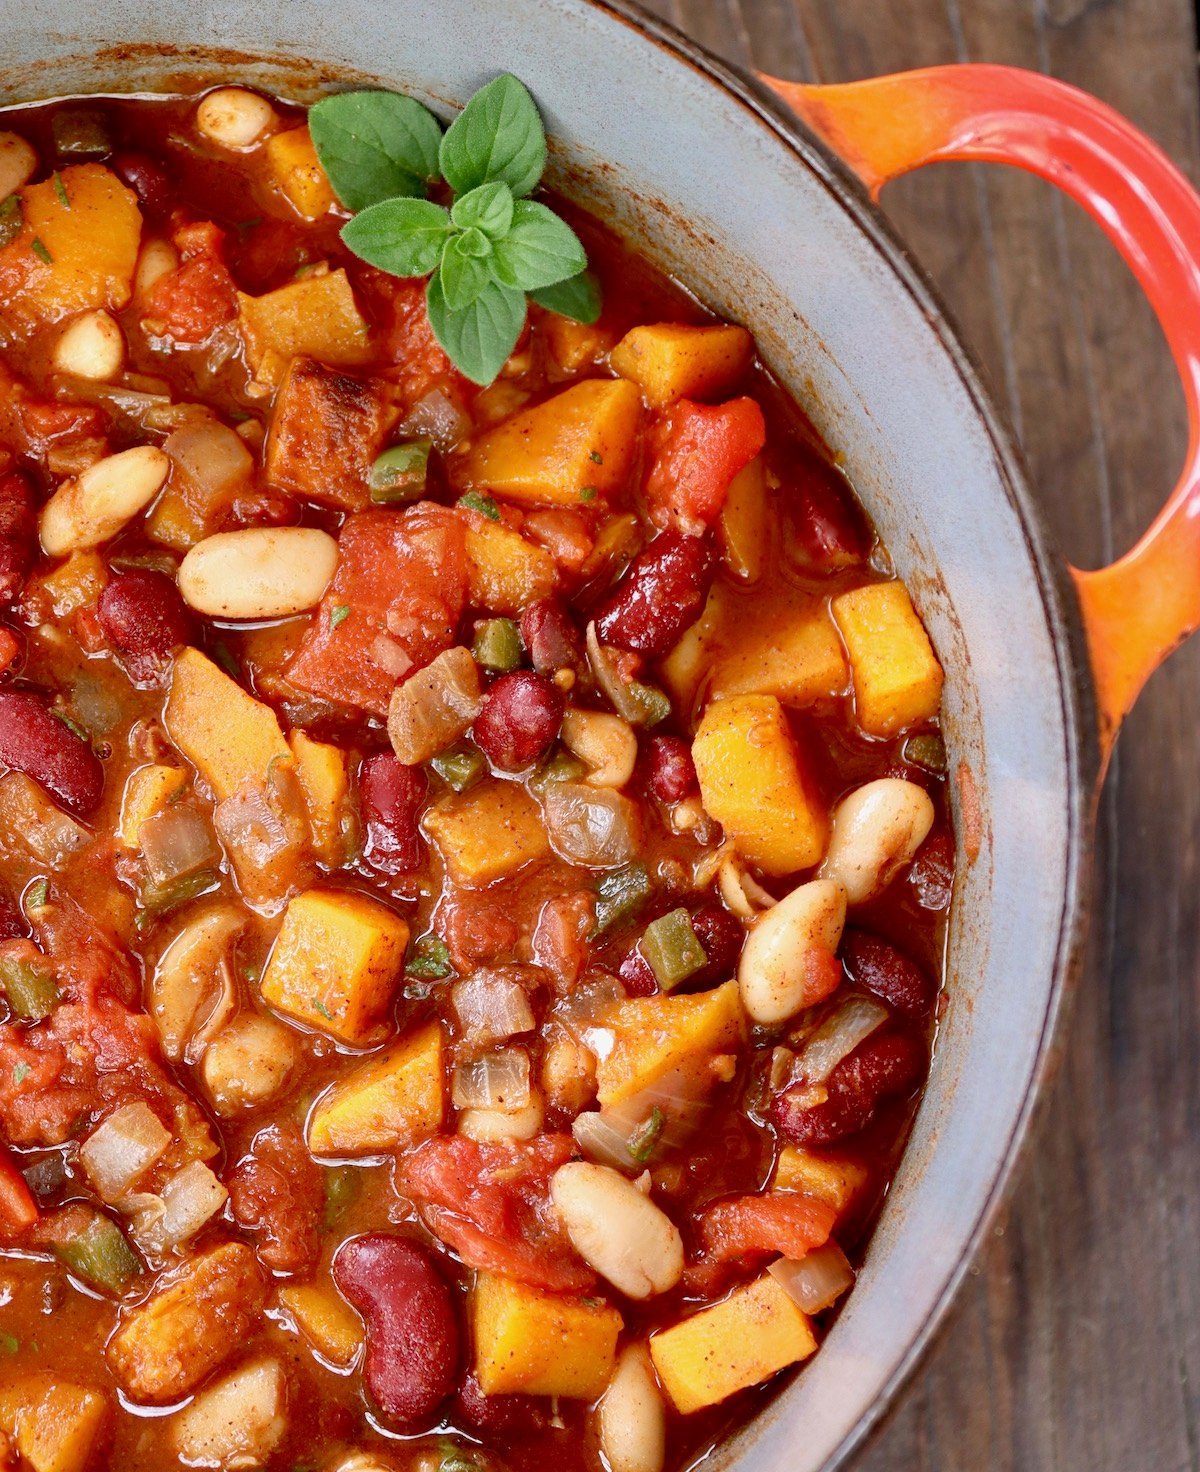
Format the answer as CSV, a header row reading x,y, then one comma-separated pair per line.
x,y
847,327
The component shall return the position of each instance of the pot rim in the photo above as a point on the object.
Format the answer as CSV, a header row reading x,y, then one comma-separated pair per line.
x,y
1060,608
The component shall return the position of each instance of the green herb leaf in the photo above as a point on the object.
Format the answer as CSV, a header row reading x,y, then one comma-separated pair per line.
x,y
401,236
11,218
429,959
375,145
646,1136
38,894
488,208
498,137
337,615
539,249
480,338
474,501
9,1344
20,1074
464,274
40,249
577,298
322,1009
61,190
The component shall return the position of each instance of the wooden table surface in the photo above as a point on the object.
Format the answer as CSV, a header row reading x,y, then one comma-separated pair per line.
x,y
1075,1344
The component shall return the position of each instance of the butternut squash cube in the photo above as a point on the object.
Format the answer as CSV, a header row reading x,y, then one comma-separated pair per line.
x,y
653,1036
741,1341
295,170
574,345
753,783
192,1321
833,1178
325,782
388,1101
314,317
335,963
897,678
56,1425
536,1343
786,646
487,833
67,260
325,1320
743,522
562,452
148,790
505,571
228,736
672,361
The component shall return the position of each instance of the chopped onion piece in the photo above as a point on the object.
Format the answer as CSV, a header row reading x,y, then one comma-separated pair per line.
x,y
175,842
391,658
602,1141
615,688
837,1037
438,418
491,1006
818,1280
495,1081
122,1149
190,1199
210,460
593,826
583,1009
434,707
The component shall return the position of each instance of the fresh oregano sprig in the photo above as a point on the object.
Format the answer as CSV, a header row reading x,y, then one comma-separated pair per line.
x,y
491,248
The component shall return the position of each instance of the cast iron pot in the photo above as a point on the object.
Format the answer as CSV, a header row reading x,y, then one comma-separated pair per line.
x,y
714,176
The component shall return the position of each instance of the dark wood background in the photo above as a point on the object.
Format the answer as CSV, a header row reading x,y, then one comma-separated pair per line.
x,y
1075,1345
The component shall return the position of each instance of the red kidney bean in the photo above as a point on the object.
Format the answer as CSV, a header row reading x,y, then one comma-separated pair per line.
x,y
412,1333
884,1066
637,975
390,794
932,873
496,1415
36,743
721,935
887,973
670,770
18,529
519,720
828,532
660,595
551,637
145,620
146,176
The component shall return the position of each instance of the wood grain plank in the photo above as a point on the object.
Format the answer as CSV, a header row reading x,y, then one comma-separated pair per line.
x,y
1076,1343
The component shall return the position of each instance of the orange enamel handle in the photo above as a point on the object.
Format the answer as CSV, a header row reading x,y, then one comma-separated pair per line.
x,y
1143,606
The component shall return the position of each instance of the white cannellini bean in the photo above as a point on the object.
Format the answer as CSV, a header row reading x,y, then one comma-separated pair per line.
x,y
633,1425
774,974
232,117
876,831
18,162
741,892
156,259
248,1062
488,1126
236,1423
96,505
91,347
616,1230
605,742
259,572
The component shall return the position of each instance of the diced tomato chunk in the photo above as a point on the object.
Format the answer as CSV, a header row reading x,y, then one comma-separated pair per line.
x,y
406,338
194,299
491,1203
393,605
789,1224
18,1210
697,449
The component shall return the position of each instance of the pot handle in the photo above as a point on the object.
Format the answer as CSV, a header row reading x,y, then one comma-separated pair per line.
x,y
1144,605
